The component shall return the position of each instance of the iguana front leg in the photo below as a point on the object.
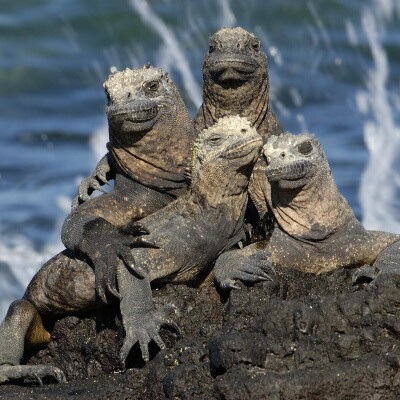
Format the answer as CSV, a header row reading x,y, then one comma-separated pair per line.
x,y
141,320
102,174
387,263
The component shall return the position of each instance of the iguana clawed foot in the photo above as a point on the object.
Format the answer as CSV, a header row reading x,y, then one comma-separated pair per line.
x,y
110,245
143,327
31,372
238,265
136,229
106,260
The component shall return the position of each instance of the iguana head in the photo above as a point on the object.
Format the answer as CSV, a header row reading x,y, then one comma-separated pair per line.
x,y
224,155
303,196
151,131
234,59
137,97
235,77
293,160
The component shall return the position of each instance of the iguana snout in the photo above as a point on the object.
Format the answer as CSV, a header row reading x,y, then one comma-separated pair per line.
x,y
243,147
138,110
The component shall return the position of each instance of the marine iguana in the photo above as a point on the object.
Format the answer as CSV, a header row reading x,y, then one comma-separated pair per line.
x,y
151,134
189,235
235,82
315,229
144,106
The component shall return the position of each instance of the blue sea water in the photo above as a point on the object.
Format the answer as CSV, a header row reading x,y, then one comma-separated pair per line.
x,y
334,71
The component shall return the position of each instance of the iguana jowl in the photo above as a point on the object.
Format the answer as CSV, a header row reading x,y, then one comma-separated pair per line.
x,y
315,229
190,233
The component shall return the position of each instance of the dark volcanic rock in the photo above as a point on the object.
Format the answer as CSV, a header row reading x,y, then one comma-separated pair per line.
x,y
301,336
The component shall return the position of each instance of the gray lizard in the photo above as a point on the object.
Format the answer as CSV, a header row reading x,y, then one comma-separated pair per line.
x,y
189,234
235,81
315,229
151,134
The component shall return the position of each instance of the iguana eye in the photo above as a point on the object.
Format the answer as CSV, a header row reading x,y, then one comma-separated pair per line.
x,y
256,46
153,86
305,147
215,139
211,48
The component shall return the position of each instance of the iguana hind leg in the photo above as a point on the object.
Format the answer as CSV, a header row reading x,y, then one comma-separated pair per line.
x,y
64,284
23,326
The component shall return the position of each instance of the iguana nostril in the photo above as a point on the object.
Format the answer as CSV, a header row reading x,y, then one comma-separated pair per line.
x,y
283,155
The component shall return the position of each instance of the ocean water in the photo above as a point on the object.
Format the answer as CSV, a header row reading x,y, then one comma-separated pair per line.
x,y
334,70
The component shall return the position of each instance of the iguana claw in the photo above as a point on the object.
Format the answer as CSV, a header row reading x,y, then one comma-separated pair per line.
x,y
143,328
94,181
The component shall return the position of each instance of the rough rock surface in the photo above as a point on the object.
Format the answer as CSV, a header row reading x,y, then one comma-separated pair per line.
x,y
302,336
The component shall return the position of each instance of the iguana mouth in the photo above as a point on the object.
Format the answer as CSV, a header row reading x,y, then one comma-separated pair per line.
x,y
294,171
231,71
134,116
243,148
134,112
143,115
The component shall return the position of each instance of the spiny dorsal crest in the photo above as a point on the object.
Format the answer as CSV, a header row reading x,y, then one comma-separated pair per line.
x,y
131,77
234,33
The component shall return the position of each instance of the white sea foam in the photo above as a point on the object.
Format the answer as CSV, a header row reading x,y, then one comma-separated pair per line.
x,y
19,261
380,184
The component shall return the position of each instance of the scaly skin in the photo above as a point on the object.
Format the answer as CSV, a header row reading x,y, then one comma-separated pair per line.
x,y
235,82
189,234
316,230
151,134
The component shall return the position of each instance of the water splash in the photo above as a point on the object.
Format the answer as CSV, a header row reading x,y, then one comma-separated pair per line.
x,y
380,184
19,261
171,42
